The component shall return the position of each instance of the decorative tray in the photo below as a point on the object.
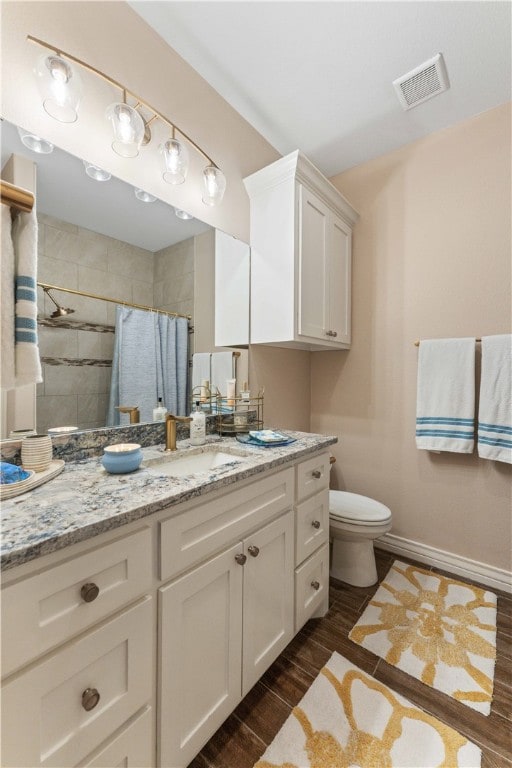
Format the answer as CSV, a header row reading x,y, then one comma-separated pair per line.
x,y
9,490
275,443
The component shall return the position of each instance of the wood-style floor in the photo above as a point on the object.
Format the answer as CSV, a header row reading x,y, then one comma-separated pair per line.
x,y
242,739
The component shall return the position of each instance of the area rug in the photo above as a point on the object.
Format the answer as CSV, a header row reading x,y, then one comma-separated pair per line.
x,y
439,630
348,718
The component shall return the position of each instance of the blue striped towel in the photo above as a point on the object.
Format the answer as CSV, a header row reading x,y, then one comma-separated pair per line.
x,y
445,419
495,413
26,351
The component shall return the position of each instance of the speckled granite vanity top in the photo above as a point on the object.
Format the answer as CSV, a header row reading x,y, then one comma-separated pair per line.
x,y
85,500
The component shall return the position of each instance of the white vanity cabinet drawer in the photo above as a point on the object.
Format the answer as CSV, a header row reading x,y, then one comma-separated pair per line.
x,y
311,585
52,606
312,476
132,747
44,719
312,525
201,531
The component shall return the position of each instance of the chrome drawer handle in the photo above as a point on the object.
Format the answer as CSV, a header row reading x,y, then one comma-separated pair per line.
x,y
89,592
316,524
316,474
90,698
315,585
253,550
241,559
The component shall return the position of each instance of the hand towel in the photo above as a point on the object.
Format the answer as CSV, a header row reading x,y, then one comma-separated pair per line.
x,y
7,303
446,395
222,370
201,362
26,350
495,412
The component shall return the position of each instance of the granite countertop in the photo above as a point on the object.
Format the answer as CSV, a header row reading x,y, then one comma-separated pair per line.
x,y
84,500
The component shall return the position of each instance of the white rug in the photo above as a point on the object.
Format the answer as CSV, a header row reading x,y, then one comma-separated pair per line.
x,y
348,719
440,631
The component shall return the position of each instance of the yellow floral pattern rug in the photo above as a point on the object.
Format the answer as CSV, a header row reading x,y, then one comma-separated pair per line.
x,y
439,630
348,719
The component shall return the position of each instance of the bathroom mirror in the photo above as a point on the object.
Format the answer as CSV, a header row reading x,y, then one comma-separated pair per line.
x,y
97,237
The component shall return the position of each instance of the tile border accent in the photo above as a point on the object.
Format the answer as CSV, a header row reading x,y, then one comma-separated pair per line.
x,y
439,558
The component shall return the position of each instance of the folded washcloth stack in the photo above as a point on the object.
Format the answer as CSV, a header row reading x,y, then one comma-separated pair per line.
x,y
10,473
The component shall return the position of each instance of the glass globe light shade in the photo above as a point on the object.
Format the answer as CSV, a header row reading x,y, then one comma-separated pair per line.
x,y
175,155
95,172
144,197
35,143
128,127
183,214
214,185
60,87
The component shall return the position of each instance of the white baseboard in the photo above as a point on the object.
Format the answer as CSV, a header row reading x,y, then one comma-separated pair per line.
x,y
461,566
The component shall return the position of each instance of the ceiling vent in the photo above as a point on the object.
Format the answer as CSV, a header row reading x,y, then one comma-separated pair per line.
x,y
422,83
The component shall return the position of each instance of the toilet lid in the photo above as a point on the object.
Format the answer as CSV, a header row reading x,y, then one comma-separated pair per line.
x,y
352,507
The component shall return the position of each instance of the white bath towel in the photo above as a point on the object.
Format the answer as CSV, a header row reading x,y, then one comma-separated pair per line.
x,y
495,412
26,351
222,370
7,303
446,395
201,370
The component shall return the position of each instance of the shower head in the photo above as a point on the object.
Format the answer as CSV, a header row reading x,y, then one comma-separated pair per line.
x,y
60,311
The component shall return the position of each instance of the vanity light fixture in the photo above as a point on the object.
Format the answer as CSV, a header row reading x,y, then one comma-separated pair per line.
x,y
60,87
35,143
95,172
183,214
144,197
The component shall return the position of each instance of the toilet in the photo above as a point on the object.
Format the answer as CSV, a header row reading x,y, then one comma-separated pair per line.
x,y
354,522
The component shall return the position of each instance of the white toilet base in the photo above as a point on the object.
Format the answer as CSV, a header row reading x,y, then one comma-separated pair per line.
x,y
354,562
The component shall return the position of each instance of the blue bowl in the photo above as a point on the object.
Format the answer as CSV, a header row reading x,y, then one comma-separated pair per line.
x,y
122,458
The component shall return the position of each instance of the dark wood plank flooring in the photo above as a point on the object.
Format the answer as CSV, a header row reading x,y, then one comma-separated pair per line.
x,y
244,736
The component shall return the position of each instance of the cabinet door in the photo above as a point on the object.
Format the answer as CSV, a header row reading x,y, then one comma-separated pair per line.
x,y
339,280
200,620
268,597
312,268
232,264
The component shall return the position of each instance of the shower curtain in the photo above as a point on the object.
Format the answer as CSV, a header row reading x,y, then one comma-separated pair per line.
x,y
150,361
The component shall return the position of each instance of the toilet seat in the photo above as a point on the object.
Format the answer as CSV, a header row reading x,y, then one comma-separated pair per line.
x,y
356,509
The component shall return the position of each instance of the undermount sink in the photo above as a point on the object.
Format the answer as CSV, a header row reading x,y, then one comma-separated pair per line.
x,y
175,465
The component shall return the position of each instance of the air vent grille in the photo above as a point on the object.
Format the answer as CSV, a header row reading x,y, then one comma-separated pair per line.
x,y
422,83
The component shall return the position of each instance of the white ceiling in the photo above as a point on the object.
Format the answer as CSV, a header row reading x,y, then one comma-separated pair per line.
x,y
318,75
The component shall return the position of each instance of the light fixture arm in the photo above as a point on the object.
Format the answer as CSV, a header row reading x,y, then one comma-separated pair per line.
x,y
116,84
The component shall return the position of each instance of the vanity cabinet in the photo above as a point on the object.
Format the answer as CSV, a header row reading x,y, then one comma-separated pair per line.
x,y
81,639
221,626
133,647
301,256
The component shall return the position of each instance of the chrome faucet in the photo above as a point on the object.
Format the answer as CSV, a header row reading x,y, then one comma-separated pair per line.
x,y
170,430
133,410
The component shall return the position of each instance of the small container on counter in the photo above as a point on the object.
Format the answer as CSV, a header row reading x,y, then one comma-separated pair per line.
x,y
122,458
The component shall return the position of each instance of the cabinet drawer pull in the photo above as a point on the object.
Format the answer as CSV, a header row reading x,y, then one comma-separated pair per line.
x,y
316,524
241,559
316,474
315,585
90,698
253,550
89,592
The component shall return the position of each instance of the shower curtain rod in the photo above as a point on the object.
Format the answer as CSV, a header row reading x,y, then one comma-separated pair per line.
x,y
16,197
112,301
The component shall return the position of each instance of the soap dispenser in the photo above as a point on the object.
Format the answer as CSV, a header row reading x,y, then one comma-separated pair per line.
x,y
160,411
198,426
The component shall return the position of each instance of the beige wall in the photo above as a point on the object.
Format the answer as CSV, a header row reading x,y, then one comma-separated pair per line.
x,y
431,259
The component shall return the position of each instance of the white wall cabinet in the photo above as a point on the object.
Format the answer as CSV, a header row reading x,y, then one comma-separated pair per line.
x,y
232,268
301,255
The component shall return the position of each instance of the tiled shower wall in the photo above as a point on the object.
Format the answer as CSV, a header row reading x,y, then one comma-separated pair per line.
x,y
74,393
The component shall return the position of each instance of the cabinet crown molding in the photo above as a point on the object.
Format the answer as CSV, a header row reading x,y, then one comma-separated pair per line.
x,y
296,166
